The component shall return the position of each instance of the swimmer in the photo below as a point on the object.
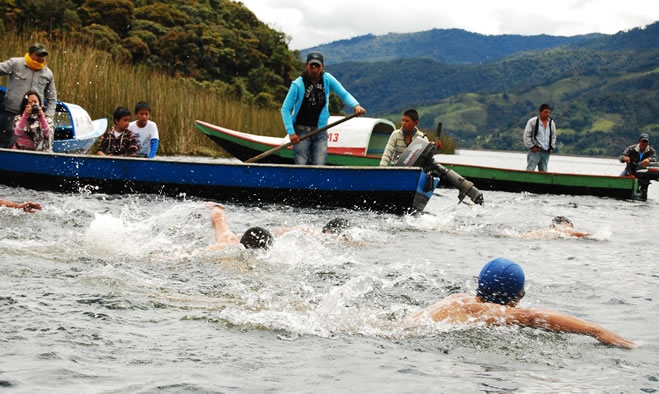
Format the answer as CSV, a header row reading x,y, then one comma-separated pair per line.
x,y
560,224
27,206
253,238
500,289
336,228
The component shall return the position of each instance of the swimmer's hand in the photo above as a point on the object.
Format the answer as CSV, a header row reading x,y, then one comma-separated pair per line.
x,y
29,206
611,338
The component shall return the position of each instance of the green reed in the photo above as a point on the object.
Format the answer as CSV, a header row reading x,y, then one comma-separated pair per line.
x,y
94,80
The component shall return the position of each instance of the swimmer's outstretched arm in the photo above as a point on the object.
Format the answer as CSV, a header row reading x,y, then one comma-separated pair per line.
x,y
560,322
223,236
28,206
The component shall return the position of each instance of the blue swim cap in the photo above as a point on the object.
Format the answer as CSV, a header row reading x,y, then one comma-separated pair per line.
x,y
500,281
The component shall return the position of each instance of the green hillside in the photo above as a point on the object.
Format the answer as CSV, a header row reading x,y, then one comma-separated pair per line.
x,y
218,42
450,46
601,98
594,115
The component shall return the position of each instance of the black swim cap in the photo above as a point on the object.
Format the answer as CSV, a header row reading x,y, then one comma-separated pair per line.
x,y
500,281
336,226
562,221
256,238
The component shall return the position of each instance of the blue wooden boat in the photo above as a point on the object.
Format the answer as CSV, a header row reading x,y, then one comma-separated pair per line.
x,y
75,131
391,189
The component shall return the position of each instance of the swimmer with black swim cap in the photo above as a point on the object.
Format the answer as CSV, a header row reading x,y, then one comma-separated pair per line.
x,y
336,226
559,224
253,238
500,288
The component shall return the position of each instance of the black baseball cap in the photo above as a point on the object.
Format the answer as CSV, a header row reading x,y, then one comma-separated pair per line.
x,y
315,58
39,49
644,137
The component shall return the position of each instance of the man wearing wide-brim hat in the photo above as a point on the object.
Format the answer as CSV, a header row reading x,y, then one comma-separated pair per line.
x,y
29,72
638,154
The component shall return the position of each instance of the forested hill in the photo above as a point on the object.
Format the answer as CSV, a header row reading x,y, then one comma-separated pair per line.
x,y
450,46
602,97
220,43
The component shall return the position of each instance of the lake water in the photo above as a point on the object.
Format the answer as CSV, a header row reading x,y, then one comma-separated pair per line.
x,y
111,294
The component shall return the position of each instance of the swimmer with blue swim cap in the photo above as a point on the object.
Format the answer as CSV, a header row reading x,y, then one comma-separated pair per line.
x,y
501,281
500,288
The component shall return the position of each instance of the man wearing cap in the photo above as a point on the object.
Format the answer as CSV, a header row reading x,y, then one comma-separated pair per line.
x,y
29,72
641,153
540,138
306,108
500,289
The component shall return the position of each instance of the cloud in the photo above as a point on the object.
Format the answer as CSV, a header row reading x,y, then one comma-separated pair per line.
x,y
313,23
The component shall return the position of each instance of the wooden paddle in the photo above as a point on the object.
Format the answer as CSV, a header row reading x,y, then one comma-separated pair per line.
x,y
282,146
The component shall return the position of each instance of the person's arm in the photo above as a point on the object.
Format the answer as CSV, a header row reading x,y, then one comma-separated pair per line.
x,y
6,67
51,97
19,127
154,148
131,144
287,108
347,98
45,127
560,322
388,150
624,158
528,134
553,135
27,206
223,235
100,150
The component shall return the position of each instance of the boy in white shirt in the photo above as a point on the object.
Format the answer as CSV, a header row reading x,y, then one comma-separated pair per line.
x,y
145,130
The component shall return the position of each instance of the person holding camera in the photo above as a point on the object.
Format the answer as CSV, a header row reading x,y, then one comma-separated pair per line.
x,y
28,72
32,128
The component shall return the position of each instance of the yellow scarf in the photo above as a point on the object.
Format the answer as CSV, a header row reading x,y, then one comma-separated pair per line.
x,y
36,66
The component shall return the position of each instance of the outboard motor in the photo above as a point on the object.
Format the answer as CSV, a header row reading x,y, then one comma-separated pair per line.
x,y
420,154
644,176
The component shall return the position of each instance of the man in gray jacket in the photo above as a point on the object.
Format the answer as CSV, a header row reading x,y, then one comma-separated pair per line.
x,y
25,73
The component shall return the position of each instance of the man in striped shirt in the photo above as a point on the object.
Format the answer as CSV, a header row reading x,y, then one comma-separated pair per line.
x,y
401,138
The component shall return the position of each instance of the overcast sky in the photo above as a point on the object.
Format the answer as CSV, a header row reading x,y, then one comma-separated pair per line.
x,y
315,22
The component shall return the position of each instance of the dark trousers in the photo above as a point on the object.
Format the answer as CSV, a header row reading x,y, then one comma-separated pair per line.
x,y
7,137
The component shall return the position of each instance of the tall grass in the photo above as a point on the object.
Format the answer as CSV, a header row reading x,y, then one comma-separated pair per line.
x,y
93,80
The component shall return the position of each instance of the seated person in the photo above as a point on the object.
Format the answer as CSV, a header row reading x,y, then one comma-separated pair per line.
x,y
27,206
500,289
401,138
641,153
145,130
33,129
559,224
118,141
253,238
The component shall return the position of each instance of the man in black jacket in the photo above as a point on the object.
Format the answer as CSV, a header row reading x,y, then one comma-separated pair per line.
x,y
641,153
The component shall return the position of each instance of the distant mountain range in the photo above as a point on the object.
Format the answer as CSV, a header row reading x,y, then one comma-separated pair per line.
x,y
450,46
483,88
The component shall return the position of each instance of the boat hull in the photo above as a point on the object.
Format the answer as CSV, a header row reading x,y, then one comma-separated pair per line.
x,y
396,190
491,178
245,146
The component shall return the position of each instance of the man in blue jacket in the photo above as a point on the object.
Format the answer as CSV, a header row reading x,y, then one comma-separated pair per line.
x,y
306,108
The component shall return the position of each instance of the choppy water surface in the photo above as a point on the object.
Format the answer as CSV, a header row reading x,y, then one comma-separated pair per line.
x,y
119,293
